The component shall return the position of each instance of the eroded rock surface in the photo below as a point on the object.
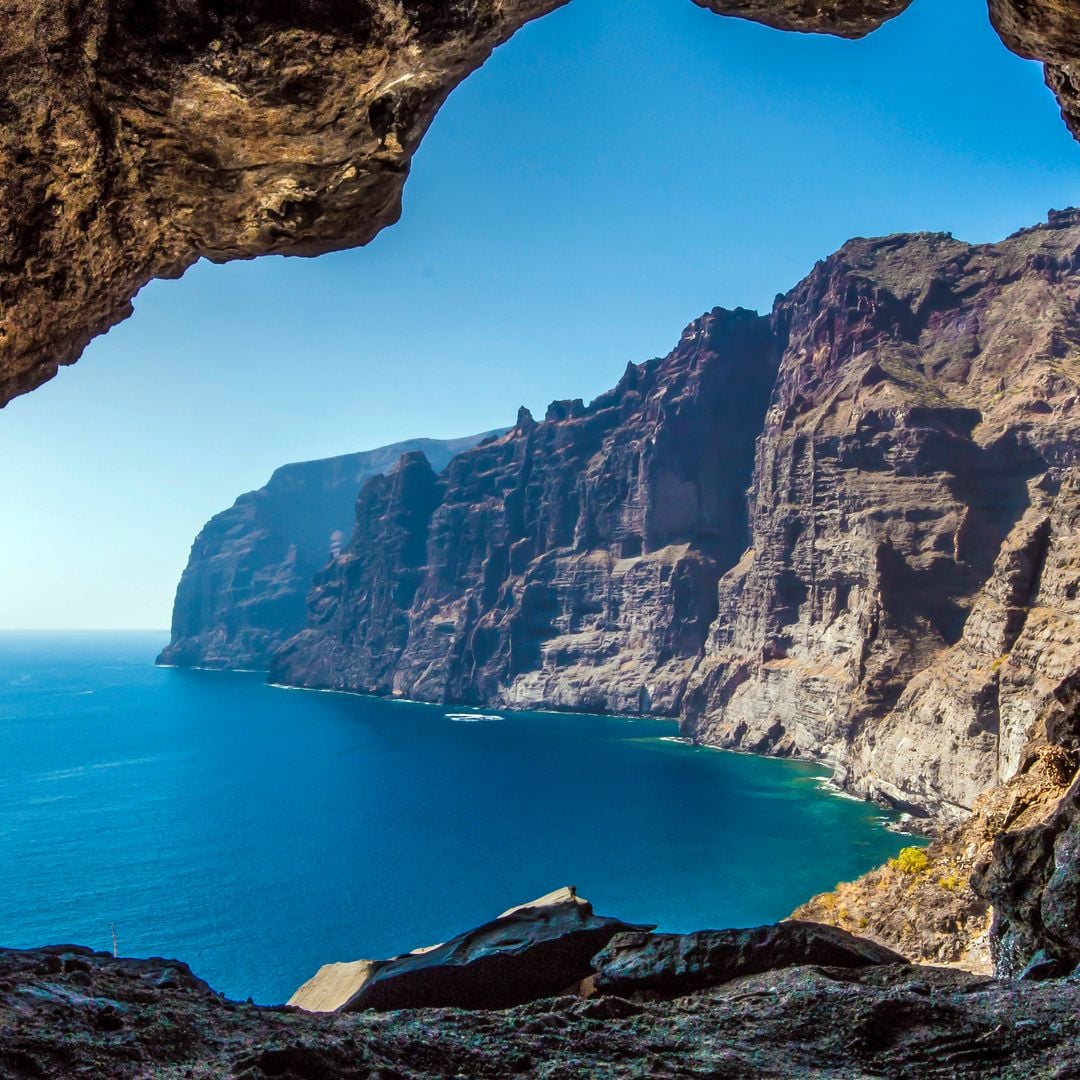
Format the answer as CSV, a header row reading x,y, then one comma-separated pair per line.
x,y
69,1012
137,136
674,965
908,605
141,135
571,563
244,589
534,950
845,18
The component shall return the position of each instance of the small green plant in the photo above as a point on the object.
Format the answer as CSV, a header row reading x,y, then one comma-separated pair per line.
x,y
950,882
911,860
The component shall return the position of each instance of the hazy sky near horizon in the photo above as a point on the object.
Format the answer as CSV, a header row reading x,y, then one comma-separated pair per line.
x,y
612,172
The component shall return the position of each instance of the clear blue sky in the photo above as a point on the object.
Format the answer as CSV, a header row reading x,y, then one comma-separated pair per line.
x,y
612,172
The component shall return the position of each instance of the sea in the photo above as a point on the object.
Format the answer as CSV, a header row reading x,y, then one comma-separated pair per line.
x,y
257,832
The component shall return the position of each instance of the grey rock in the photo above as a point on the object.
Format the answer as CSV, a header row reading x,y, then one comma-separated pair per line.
x,y
1042,966
536,950
672,965
244,589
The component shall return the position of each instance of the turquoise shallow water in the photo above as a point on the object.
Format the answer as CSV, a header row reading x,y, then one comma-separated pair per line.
x,y
257,833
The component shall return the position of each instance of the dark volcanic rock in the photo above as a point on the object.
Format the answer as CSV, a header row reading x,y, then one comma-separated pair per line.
x,y
845,18
673,965
537,950
1033,882
572,562
94,1016
244,589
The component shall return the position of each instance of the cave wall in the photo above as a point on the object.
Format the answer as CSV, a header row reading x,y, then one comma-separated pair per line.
x,y
137,136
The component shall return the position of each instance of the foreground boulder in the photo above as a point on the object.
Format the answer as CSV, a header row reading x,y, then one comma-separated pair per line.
x,y
672,965
533,951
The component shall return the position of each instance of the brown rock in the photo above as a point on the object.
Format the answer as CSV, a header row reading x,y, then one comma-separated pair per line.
x,y
911,520
845,18
142,135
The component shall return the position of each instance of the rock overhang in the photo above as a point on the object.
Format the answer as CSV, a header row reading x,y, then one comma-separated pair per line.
x,y
140,137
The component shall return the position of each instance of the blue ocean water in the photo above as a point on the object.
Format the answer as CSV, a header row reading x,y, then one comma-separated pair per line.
x,y
258,832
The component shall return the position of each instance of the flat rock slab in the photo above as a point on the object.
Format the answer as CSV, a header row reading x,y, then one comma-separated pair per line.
x,y
671,965
537,950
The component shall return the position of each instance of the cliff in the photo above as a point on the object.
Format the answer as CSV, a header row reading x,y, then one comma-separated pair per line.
x,y
243,590
573,562
907,607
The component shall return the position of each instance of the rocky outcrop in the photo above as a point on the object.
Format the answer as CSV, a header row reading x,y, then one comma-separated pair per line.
x,y
535,950
674,965
571,563
845,18
243,592
908,606
995,891
142,135
68,1012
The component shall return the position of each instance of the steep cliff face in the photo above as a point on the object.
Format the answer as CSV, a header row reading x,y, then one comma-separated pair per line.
x,y
244,588
570,563
903,610
907,607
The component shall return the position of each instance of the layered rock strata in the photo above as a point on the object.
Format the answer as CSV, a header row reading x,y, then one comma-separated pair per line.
x,y
908,605
244,589
571,563
141,135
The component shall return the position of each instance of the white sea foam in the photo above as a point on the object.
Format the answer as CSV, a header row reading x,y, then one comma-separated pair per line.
x,y
828,785
470,718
